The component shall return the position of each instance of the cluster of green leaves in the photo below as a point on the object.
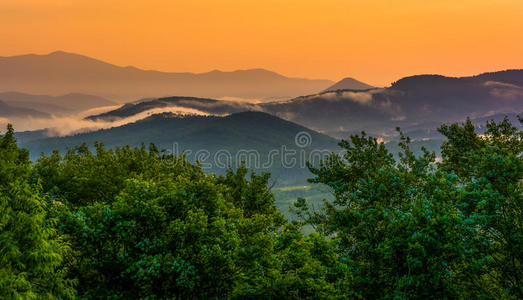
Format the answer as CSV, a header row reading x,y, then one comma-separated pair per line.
x,y
417,228
138,223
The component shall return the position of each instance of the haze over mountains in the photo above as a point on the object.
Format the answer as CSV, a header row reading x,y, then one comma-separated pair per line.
x,y
414,103
62,73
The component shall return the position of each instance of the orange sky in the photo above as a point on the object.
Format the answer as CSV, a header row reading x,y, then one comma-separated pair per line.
x,y
377,41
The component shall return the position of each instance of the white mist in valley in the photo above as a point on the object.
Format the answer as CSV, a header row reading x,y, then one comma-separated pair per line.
x,y
77,123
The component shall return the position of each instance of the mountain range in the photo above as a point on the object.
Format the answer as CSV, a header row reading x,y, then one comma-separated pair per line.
x,y
413,103
211,122
62,73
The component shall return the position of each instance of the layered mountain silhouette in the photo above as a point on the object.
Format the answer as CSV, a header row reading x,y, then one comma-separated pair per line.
x,y
349,84
413,102
55,105
61,73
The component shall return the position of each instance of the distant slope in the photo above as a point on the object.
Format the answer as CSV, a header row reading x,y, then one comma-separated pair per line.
x,y
508,76
61,72
8,111
69,103
349,84
428,131
250,132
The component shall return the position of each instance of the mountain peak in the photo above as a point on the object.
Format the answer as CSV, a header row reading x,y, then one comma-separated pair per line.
x,y
63,54
349,83
59,52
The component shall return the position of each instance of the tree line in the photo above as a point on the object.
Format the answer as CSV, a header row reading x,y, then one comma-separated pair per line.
x,y
120,223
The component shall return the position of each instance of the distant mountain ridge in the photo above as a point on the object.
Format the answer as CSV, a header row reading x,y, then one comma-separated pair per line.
x,y
69,103
411,101
61,73
512,77
417,101
9,111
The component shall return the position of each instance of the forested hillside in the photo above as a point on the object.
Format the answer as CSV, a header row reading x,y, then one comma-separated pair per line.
x,y
216,142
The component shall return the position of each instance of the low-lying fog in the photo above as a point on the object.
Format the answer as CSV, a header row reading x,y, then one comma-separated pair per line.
x,y
76,123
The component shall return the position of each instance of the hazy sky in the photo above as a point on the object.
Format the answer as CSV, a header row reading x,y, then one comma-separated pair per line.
x,y
377,41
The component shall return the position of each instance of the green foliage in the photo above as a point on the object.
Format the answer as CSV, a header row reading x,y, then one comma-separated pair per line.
x,y
254,196
158,239
130,223
148,225
493,202
414,228
82,177
393,222
31,252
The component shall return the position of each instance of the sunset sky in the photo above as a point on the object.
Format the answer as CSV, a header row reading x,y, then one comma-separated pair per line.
x,y
376,41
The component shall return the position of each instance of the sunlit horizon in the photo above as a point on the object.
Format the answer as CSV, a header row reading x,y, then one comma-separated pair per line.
x,y
376,42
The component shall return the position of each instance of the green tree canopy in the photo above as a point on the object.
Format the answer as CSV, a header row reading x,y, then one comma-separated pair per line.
x,y
145,224
31,252
130,223
415,228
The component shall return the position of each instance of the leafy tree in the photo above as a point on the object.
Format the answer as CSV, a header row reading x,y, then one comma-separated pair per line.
x,y
302,267
491,169
393,222
143,228
31,253
414,228
81,177
252,196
